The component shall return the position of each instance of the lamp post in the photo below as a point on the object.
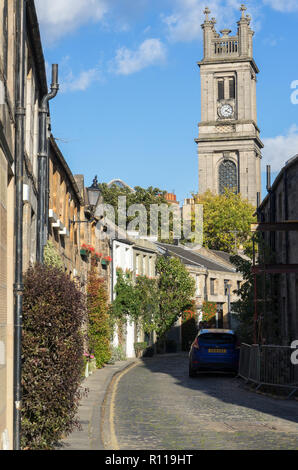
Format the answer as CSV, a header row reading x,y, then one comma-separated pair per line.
x,y
229,304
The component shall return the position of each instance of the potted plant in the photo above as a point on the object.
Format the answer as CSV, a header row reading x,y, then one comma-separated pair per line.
x,y
84,251
106,260
98,256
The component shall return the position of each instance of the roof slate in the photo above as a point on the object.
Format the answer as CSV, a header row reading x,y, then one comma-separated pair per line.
x,y
189,257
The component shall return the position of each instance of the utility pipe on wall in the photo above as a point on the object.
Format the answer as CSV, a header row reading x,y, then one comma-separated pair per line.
x,y
43,182
19,173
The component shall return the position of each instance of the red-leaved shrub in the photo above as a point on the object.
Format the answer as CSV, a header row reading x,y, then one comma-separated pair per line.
x,y
52,356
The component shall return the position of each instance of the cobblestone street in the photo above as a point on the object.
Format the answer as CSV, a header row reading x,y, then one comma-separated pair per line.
x,y
158,407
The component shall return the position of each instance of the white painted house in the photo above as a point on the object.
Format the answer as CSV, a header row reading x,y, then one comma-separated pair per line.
x,y
122,256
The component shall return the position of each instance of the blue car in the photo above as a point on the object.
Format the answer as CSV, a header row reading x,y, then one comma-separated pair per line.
x,y
214,350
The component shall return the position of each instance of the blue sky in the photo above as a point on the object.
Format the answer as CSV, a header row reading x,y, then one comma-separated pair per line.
x,y
129,103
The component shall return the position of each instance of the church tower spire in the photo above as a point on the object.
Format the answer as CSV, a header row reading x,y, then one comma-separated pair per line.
x,y
229,146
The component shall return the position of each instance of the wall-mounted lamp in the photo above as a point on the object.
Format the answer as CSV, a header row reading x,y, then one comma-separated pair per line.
x,y
94,195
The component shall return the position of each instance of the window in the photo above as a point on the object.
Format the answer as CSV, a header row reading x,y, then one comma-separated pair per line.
x,y
226,290
137,264
227,176
212,286
232,90
221,89
198,286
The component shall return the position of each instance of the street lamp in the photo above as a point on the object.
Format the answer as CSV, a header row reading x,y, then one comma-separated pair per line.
x,y
94,195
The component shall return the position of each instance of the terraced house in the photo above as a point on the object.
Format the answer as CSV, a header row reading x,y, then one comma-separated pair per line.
x,y
215,278
40,199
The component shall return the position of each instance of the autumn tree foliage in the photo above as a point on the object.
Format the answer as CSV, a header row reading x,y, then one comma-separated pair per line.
x,y
209,310
227,221
99,322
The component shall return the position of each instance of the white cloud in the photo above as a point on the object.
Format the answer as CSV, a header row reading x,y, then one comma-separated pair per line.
x,y
281,148
150,52
286,6
59,17
71,82
184,23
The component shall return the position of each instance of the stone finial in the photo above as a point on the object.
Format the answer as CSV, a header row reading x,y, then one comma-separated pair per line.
x,y
213,20
225,32
207,12
243,9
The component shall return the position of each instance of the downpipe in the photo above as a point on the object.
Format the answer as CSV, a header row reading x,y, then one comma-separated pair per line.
x,y
43,168
19,174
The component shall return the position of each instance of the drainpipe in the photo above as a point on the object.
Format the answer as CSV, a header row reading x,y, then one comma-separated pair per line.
x,y
43,183
19,173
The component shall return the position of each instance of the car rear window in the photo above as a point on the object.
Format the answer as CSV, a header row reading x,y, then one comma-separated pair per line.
x,y
218,338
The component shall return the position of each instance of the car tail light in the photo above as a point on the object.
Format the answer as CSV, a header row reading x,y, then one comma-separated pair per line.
x,y
196,343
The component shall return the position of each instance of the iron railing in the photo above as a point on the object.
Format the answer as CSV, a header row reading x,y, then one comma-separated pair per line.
x,y
268,365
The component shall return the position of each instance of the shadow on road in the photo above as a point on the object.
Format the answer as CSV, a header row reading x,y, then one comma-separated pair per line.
x,y
224,387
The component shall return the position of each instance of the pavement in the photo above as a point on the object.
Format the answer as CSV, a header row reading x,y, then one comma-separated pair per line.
x,y
89,437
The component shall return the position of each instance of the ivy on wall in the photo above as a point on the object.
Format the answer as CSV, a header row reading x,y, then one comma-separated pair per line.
x,y
52,257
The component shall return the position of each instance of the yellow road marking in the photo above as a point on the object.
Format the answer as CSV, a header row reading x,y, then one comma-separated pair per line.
x,y
114,442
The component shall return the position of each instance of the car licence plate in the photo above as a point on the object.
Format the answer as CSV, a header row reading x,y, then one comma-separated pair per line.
x,y
220,351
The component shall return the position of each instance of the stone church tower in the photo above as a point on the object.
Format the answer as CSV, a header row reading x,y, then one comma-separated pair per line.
x,y
229,146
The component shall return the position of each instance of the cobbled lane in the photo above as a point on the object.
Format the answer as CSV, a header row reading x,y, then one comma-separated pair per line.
x,y
158,407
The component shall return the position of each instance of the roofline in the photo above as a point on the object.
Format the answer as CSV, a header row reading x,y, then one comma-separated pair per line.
x,y
33,34
227,59
223,266
65,166
288,164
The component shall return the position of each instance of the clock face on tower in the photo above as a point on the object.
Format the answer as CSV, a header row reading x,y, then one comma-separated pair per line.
x,y
226,111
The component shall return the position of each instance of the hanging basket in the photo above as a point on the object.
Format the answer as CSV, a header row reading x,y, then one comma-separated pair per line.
x,y
106,261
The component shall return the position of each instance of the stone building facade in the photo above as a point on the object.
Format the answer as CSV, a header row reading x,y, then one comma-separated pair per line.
x,y
276,214
34,87
65,202
65,199
212,273
7,144
229,146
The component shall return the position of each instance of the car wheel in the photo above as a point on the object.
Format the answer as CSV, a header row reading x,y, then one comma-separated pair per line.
x,y
191,372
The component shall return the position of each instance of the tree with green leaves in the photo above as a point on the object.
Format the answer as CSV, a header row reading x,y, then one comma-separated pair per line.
x,y
227,221
155,304
140,196
176,291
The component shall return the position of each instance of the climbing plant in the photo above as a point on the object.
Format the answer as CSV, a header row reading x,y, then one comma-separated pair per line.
x,y
99,322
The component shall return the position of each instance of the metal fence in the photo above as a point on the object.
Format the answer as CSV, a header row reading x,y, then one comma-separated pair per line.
x,y
268,365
